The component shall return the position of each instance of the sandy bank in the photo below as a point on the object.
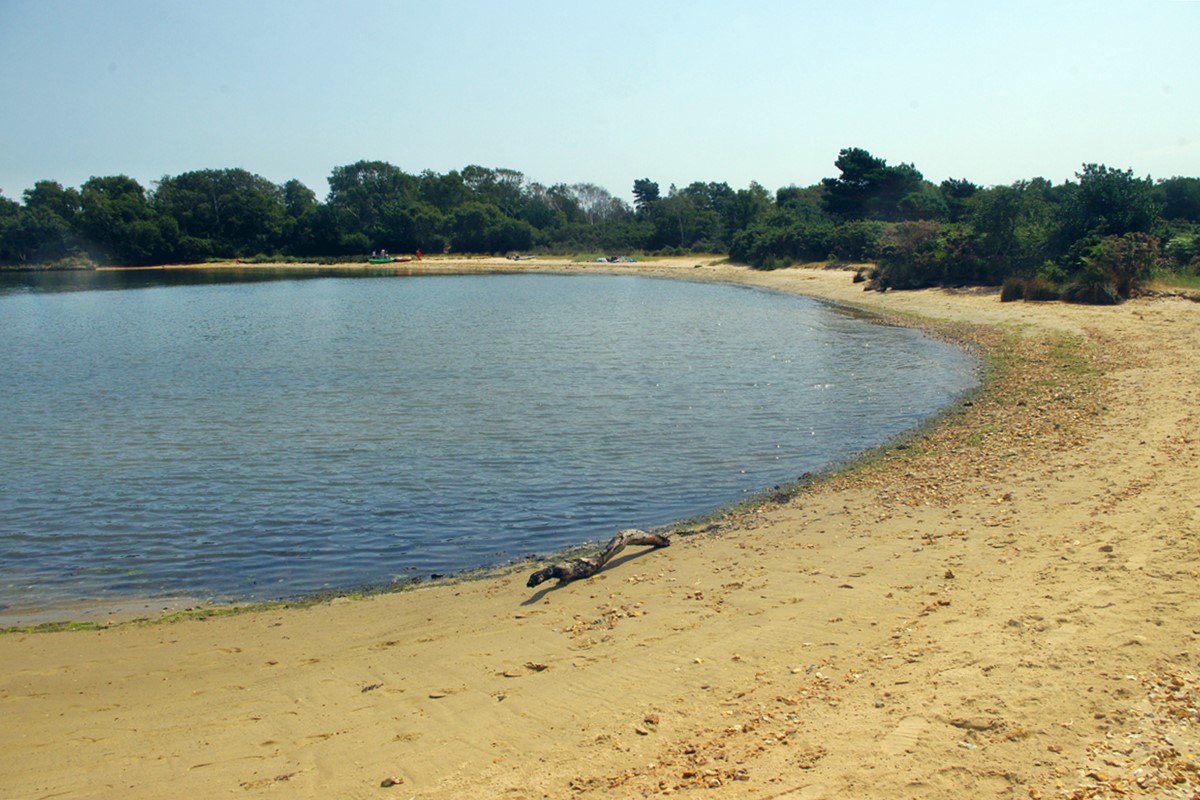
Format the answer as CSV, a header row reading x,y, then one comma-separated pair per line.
x,y
1008,607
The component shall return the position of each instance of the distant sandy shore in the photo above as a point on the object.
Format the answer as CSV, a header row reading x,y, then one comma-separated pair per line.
x,y
1008,606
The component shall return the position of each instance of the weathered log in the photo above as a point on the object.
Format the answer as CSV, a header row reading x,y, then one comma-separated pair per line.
x,y
586,567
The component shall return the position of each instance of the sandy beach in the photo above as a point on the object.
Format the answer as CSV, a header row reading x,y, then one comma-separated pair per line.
x,y
1007,606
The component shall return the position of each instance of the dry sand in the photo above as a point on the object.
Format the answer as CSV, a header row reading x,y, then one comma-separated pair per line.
x,y
1006,607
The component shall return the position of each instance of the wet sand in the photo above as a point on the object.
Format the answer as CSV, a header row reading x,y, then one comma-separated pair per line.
x,y
1006,606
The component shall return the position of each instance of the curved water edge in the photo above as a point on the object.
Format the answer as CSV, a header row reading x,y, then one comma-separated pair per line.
x,y
716,382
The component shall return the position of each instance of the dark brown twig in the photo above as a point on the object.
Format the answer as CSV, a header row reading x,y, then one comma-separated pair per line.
x,y
586,567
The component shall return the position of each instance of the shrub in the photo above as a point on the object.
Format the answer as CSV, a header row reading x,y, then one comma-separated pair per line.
x,y
777,262
709,246
762,244
357,242
857,240
1098,293
1126,259
1094,285
1055,273
1012,289
1183,250
909,255
1041,290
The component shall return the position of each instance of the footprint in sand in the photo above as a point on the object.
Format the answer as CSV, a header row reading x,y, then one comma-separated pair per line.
x,y
905,736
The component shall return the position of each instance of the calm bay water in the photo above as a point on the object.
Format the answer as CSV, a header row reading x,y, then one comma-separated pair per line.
x,y
250,440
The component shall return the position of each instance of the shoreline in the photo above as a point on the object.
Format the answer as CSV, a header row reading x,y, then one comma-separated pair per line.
x,y
84,613
988,610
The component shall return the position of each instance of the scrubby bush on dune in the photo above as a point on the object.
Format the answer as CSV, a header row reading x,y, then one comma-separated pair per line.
x,y
1040,289
1012,289
1093,285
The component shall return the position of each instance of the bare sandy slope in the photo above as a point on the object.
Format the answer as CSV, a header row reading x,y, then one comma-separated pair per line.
x,y
1006,607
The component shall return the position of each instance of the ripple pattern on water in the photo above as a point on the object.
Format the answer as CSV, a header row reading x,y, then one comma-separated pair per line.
x,y
267,439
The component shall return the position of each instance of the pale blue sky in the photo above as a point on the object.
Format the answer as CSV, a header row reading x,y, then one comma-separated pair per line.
x,y
604,92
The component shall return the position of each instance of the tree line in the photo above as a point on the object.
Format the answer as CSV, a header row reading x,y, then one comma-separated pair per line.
x,y
1092,238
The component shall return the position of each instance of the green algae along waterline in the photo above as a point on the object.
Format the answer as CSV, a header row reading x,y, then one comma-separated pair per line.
x,y
198,434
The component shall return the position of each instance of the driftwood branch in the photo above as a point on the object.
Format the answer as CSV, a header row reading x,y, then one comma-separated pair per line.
x,y
586,567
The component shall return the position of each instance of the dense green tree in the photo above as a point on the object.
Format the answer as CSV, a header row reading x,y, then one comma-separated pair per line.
x,y
542,210
849,195
45,228
683,219
298,200
870,189
709,196
562,199
412,227
468,227
793,229
996,216
781,240
923,202
53,198
10,217
1039,222
360,192
500,187
1112,202
807,203
222,212
1179,198
744,208
509,235
443,192
119,224
1095,237
645,195
909,256
856,240
956,192
716,203
1004,230
326,237
300,208
38,236
483,228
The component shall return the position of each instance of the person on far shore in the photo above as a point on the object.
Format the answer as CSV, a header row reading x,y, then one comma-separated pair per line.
x,y
418,254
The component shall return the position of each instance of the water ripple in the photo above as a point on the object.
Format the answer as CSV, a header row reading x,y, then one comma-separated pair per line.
x,y
275,438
